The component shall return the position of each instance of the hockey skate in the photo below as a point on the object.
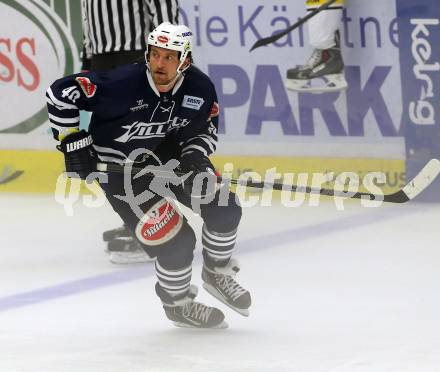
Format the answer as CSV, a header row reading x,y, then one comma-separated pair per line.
x,y
119,232
220,282
324,72
123,248
185,312
126,251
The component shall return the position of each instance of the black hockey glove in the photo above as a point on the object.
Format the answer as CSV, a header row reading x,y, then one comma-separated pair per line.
x,y
78,154
202,178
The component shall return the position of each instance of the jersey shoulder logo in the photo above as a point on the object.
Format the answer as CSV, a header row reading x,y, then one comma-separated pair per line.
x,y
215,111
87,86
191,102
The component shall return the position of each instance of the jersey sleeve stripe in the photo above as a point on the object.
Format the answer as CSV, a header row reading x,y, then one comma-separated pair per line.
x,y
65,114
211,139
59,104
58,120
195,147
62,128
201,141
211,145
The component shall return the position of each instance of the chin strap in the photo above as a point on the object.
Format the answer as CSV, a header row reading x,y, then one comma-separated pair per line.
x,y
171,84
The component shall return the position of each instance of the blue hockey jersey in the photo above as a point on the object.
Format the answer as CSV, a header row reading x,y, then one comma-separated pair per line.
x,y
129,113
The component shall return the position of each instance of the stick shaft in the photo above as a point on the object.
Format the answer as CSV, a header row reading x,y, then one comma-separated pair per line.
x,y
421,181
273,38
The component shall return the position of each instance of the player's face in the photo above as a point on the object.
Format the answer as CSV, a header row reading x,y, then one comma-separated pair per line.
x,y
163,65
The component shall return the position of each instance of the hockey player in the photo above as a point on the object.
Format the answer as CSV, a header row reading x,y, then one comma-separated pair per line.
x,y
169,107
326,63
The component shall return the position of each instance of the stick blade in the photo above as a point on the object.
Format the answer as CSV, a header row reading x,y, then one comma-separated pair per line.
x,y
263,42
423,179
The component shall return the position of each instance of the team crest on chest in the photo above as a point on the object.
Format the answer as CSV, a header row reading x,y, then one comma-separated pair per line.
x,y
142,130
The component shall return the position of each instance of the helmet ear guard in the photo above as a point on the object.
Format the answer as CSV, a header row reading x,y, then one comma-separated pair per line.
x,y
172,37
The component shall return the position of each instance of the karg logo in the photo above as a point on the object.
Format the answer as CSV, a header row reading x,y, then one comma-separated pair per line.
x,y
32,56
191,102
422,111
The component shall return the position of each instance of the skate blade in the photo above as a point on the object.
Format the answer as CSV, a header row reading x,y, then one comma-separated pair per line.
x,y
109,237
332,83
222,325
212,291
124,258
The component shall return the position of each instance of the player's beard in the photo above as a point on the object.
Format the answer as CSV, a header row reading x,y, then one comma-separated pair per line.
x,y
164,85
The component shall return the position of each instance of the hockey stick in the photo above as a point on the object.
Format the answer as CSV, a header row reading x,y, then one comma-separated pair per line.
x,y
273,38
419,183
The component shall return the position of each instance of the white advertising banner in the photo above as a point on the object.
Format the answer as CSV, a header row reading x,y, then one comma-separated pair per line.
x,y
36,47
259,115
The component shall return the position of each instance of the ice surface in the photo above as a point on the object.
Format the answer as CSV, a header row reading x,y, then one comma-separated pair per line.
x,y
333,291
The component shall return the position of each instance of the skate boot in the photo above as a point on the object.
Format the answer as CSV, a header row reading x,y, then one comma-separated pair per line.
x,y
324,64
185,312
123,247
119,232
220,282
127,250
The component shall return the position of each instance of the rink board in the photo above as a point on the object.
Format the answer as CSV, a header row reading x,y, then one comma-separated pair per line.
x,y
259,116
262,124
38,171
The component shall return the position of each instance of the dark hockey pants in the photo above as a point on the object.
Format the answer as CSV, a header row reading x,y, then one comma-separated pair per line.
x,y
176,253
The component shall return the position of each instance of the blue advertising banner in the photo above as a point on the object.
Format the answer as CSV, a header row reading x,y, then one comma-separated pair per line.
x,y
419,34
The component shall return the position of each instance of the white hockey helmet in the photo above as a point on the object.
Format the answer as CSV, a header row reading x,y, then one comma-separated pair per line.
x,y
174,37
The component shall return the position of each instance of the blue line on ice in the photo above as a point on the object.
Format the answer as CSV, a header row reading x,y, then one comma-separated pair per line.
x,y
135,272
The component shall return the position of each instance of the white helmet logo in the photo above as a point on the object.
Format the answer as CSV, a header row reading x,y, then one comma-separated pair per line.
x,y
162,39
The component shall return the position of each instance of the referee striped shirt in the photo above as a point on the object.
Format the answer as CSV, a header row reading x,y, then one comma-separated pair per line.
x,y
122,25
